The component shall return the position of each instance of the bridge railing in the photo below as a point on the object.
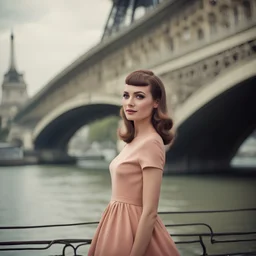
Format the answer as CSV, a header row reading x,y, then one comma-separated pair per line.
x,y
204,239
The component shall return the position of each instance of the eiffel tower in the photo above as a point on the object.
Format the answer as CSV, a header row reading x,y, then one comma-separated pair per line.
x,y
14,90
123,12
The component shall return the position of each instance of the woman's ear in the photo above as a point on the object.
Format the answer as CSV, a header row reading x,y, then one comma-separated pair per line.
x,y
156,103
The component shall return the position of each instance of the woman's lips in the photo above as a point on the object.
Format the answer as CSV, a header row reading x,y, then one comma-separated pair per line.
x,y
130,111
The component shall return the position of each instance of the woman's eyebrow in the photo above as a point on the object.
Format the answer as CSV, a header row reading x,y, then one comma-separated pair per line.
x,y
135,92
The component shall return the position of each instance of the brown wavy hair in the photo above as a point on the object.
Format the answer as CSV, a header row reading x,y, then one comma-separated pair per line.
x,y
160,119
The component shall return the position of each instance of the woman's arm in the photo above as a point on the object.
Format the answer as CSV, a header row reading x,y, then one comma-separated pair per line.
x,y
152,178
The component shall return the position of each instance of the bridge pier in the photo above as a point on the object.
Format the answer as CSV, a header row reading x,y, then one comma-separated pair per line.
x,y
54,156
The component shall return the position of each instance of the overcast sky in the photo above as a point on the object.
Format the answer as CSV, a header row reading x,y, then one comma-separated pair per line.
x,y
49,35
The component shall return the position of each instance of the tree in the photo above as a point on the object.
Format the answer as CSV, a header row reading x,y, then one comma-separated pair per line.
x,y
104,130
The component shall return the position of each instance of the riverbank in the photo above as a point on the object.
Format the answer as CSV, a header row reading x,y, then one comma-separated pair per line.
x,y
49,157
239,165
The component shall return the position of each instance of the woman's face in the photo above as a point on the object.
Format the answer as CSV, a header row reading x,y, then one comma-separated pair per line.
x,y
138,102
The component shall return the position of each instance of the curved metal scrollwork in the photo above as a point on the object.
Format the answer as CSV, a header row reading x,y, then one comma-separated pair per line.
x,y
198,237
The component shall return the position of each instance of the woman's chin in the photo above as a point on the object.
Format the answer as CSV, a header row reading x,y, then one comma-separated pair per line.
x,y
130,118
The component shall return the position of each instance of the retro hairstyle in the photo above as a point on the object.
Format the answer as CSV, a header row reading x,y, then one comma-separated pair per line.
x,y
160,119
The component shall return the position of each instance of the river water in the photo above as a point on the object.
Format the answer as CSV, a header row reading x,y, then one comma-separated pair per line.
x,y
39,195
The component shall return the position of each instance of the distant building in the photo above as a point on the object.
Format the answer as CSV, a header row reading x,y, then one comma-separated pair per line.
x,y
14,90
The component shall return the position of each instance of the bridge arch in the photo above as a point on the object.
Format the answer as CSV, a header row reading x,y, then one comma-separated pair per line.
x,y
54,130
213,123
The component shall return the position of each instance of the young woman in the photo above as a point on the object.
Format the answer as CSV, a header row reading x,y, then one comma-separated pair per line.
x,y
130,225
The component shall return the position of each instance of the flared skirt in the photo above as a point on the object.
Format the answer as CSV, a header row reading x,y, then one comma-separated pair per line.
x,y
116,231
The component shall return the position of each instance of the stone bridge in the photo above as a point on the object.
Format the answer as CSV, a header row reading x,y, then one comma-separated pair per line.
x,y
204,51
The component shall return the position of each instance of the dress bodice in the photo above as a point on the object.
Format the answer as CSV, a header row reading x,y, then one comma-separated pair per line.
x,y
127,168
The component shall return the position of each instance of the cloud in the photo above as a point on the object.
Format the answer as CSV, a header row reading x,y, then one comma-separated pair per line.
x,y
18,12
49,35
84,13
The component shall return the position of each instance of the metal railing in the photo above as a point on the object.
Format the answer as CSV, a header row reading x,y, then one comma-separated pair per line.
x,y
200,238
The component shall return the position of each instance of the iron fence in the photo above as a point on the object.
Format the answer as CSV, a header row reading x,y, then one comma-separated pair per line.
x,y
211,237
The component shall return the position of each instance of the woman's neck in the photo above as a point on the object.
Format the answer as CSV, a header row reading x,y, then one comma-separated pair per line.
x,y
143,127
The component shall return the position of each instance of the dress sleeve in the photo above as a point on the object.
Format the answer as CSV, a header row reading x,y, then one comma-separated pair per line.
x,y
152,154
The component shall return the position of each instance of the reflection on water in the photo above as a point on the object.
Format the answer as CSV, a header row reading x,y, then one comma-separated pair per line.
x,y
37,195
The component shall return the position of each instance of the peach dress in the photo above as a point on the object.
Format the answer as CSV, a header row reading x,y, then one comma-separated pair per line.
x,y
117,228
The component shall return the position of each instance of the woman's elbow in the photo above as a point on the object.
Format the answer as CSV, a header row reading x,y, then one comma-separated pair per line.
x,y
149,214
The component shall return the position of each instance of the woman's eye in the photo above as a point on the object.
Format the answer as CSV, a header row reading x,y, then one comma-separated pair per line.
x,y
126,96
139,96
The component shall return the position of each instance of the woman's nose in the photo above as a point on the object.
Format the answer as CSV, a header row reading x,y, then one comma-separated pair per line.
x,y
130,102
